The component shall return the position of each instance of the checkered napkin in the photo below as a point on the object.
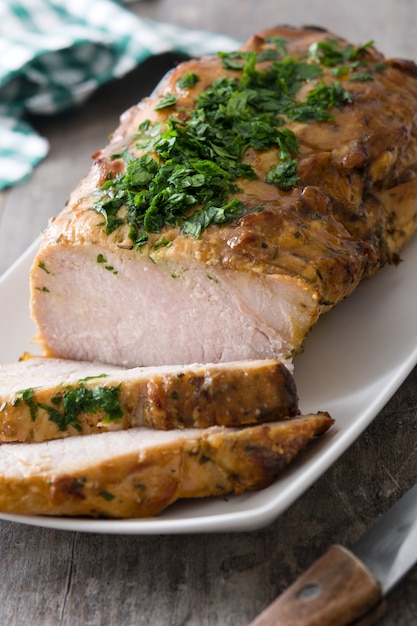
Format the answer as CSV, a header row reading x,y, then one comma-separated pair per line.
x,y
55,53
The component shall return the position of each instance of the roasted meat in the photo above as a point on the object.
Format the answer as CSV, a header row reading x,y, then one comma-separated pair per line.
x,y
251,192
46,398
140,471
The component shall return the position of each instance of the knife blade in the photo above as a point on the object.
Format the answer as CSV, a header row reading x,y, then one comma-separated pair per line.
x,y
345,586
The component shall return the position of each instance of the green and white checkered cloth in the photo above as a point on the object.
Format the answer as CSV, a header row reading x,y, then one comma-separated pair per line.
x,y
55,53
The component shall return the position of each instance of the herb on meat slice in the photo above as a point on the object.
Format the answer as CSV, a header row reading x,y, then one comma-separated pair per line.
x,y
106,495
87,400
70,404
28,397
188,173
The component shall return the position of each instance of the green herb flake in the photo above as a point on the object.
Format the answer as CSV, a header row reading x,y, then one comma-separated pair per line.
x,y
86,400
361,77
106,495
212,214
167,101
143,126
189,80
61,421
319,103
123,154
43,267
88,378
331,53
283,175
339,72
69,405
234,60
280,44
102,259
162,243
28,397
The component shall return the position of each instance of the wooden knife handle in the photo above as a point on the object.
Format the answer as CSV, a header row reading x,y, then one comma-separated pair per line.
x,y
336,590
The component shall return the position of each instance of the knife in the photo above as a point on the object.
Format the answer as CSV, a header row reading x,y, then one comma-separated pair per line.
x,y
345,586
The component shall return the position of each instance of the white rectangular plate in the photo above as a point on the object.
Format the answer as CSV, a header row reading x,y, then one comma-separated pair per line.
x,y
354,360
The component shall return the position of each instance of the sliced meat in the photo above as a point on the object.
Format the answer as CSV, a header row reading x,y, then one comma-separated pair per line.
x,y
150,264
45,398
140,471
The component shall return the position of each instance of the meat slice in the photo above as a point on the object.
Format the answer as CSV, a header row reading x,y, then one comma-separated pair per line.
x,y
45,398
150,264
140,471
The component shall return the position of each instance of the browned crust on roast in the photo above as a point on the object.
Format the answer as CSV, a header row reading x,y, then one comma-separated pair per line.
x,y
196,396
345,166
223,397
215,462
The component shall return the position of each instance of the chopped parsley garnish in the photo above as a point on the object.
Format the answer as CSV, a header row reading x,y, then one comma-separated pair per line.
x,y
235,60
87,400
162,243
190,79
284,171
189,166
361,77
43,267
102,259
70,404
280,44
167,101
319,103
213,215
331,53
87,378
106,495
28,397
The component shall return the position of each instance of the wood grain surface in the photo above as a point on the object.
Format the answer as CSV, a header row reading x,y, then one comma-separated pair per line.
x,y
59,578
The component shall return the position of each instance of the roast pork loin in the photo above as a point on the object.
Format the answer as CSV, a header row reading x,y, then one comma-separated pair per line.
x,y
45,398
140,471
250,193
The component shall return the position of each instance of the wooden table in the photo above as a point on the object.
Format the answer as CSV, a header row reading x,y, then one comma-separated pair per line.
x,y
50,577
